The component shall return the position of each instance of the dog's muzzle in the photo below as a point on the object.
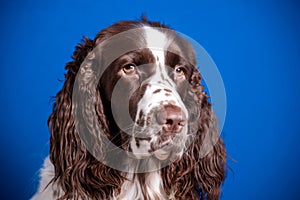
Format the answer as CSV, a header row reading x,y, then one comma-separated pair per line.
x,y
162,121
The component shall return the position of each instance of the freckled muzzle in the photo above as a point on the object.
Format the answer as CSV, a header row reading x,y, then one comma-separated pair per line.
x,y
162,117
172,129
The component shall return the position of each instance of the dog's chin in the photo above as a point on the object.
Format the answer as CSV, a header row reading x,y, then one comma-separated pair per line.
x,y
169,151
169,148
164,151
164,154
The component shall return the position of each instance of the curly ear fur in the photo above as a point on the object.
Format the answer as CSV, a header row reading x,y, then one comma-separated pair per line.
x,y
77,172
201,170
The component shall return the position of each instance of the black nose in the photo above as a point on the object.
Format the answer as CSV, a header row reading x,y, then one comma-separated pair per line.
x,y
171,118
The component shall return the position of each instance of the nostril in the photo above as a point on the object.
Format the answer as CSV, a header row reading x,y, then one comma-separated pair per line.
x,y
169,122
182,122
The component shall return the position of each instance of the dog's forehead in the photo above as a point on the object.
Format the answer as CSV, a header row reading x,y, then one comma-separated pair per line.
x,y
162,41
157,43
155,39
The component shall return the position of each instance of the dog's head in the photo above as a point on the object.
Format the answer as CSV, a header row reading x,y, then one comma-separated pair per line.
x,y
135,91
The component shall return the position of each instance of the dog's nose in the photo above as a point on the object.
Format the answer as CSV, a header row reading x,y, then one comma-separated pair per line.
x,y
171,118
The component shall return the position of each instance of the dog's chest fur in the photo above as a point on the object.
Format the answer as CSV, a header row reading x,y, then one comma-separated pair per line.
x,y
133,189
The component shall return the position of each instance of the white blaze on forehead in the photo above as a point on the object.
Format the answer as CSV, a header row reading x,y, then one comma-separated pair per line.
x,y
155,39
156,42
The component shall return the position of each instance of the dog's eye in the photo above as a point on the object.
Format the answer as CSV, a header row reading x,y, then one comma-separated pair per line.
x,y
129,69
179,71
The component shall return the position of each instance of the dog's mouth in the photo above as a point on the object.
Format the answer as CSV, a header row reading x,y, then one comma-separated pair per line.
x,y
162,140
162,146
160,133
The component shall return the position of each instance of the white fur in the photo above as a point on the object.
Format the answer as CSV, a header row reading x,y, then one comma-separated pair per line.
x,y
140,152
132,189
52,192
155,39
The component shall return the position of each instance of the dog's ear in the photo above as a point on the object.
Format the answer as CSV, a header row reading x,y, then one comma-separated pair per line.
x,y
74,135
208,147
61,122
201,170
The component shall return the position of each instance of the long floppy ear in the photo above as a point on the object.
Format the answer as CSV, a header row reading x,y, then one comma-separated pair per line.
x,y
77,172
208,147
201,170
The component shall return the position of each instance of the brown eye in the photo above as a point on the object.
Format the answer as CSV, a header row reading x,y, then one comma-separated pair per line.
x,y
129,69
179,71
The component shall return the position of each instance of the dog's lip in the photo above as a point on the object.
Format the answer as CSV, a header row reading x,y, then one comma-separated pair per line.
x,y
140,138
162,155
159,145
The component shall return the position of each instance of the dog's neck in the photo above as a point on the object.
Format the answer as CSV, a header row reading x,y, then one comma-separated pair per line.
x,y
138,185
142,185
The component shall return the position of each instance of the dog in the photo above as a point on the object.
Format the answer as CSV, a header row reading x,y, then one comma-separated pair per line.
x,y
132,121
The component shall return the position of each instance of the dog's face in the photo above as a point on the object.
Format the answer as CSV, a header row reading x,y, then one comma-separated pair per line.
x,y
149,94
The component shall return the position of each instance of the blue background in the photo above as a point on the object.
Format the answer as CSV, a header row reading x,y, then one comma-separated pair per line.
x,y
255,45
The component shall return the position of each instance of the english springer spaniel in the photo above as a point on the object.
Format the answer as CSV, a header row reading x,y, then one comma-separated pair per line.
x,y
132,121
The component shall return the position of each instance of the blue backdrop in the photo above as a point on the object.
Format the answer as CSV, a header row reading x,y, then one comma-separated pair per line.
x,y
255,45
